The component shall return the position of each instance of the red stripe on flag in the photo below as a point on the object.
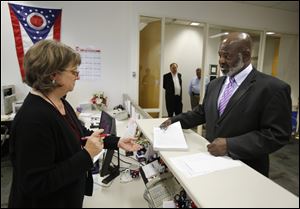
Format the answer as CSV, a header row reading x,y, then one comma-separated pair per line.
x,y
18,41
57,27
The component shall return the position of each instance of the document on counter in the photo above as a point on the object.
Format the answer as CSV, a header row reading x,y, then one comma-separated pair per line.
x,y
170,139
203,163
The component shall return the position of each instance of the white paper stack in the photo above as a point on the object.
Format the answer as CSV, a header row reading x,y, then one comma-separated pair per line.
x,y
203,163
170,139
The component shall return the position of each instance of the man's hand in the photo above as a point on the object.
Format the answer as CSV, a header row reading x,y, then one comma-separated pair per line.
x,y
218,147
165,124
129,144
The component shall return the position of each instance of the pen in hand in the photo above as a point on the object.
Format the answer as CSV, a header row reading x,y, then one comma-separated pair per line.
x,y
101,135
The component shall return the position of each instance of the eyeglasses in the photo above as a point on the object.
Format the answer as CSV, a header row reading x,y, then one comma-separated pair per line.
x,y
74,72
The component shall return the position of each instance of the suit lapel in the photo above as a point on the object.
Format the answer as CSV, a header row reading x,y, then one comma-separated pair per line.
x,y
244,87
172,83
215,95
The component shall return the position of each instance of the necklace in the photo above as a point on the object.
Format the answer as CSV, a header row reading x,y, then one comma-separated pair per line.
x,y
67,117
54,104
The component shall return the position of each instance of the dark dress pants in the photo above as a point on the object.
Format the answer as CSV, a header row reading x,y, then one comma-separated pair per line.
x,y
173,105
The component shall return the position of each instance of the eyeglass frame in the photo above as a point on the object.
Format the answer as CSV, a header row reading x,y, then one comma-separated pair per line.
x,y
74,72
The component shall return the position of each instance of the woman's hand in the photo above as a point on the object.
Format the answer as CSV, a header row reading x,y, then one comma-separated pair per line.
x,y
94,143
128,144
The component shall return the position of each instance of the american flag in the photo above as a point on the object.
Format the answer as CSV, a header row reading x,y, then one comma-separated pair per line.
x,y
32,24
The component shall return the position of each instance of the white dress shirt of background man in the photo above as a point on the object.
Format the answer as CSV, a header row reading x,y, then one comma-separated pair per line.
x,y
194,89
172,83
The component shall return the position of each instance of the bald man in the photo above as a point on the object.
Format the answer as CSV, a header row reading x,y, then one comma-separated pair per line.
x,y
172,83
247,113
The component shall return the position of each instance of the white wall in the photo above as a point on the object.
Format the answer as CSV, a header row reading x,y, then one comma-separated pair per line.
x,y
113,27
99,24
184,46
212,50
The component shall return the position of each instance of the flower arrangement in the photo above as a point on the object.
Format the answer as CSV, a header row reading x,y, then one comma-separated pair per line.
x,y
99,100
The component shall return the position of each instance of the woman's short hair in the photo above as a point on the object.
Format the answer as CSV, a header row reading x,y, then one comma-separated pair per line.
x,y
44,59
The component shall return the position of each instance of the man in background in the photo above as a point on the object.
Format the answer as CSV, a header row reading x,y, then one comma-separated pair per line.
x,y
194,89
172,83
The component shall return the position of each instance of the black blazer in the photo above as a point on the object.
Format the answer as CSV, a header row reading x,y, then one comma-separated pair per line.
x,y
168,84
49,166
256,121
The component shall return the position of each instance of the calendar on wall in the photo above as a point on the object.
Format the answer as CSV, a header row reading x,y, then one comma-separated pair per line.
x,y
90,68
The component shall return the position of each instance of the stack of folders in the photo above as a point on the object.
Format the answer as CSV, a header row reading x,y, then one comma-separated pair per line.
x,y
170,139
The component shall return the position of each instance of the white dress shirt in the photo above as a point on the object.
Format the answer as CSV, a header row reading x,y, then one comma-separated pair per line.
x,y
176,84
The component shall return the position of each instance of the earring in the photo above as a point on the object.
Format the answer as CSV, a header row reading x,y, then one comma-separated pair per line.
x,y
53,81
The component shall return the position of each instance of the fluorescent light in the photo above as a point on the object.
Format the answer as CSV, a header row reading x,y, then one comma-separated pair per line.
x,y
218,35
195,23
270,33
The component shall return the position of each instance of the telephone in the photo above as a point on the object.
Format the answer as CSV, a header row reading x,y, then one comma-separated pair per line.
x,y
161,188
120,114
119,107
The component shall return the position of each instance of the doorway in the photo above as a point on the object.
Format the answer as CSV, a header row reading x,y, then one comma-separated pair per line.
x,y
149,64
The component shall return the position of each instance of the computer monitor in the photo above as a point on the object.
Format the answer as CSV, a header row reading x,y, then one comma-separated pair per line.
x,y
108,123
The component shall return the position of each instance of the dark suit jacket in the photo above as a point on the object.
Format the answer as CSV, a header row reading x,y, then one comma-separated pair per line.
x,y
168,84
256,121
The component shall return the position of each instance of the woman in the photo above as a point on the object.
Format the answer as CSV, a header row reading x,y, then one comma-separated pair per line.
x,y
51,164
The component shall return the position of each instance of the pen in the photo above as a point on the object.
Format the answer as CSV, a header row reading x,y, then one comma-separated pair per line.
x,y
101,135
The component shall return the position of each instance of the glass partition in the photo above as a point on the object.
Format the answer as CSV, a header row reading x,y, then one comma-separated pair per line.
x,y
187,45
281,60
183,45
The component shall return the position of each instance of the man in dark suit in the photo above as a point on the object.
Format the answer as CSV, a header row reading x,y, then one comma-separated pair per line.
x,y
256,118
172,83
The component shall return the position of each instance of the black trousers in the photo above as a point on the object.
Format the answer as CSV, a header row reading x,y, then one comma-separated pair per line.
x,y
173,105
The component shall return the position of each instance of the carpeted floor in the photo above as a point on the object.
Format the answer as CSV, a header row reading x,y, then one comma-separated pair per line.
x,y
284,167
6,172
284,170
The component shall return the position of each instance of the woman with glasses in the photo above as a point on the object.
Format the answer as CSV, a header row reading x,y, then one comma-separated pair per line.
x,y
51,164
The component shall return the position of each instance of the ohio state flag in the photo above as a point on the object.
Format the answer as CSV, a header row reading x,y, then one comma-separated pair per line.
x,y
32,24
